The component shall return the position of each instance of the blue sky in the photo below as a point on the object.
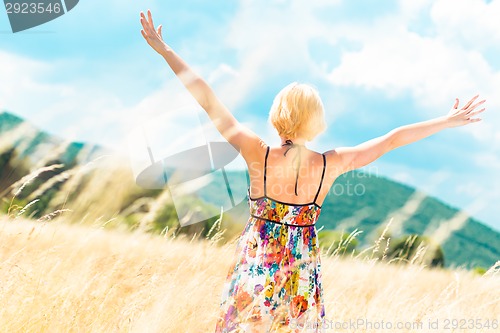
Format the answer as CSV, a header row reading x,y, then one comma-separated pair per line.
x,y
90,76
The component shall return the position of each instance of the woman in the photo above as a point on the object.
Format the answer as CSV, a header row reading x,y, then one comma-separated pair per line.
x,y
275,278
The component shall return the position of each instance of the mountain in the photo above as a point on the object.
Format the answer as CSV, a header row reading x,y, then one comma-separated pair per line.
x,y
471,244
36,145
357,200
8,121
367,202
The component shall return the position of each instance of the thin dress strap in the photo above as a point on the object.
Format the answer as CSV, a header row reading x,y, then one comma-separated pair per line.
x,y
322,176
265,169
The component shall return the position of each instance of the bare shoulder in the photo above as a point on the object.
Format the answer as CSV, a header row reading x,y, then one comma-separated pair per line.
x,y
333,157
335,162
256,153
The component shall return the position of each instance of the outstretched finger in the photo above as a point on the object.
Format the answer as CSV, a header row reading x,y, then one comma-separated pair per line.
x,y
143,16
470,102
472,114
471,108
151,20
144,34
456,103
146,28
145,24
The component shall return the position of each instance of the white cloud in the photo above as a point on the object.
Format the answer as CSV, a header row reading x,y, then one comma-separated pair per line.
x,y
472,21
21,84
78,108
434,69
68,109
392,58
272,42
403,177
487,159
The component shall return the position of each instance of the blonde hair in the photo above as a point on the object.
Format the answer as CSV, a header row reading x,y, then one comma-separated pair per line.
x,y
297,110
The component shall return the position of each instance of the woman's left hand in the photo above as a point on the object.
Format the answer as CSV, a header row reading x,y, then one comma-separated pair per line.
x,y
465,115
151,35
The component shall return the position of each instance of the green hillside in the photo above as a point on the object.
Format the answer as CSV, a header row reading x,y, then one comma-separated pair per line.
x,y
8,121
473,244
366,202
108,193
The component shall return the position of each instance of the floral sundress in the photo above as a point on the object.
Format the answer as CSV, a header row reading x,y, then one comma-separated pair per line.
x,y
274,281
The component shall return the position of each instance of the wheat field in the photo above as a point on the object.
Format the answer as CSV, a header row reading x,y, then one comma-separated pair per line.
x,y
57,277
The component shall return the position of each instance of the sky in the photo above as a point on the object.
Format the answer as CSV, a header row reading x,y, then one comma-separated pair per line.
x,y
90,76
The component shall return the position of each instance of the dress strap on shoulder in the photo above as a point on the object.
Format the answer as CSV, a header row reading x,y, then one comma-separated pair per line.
x,y
322,176
265,170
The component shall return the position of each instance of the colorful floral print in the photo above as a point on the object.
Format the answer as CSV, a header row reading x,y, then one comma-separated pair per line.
x,y
275,278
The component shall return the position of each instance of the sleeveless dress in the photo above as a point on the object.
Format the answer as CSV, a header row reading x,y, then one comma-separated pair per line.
x,y
275,278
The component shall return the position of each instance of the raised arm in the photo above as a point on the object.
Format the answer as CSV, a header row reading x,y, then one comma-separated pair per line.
x,y
238,135
350,158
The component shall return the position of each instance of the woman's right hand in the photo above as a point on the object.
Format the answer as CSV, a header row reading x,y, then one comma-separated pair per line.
x,y
151,35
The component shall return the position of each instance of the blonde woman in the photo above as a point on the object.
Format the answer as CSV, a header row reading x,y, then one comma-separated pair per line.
x,y
275,277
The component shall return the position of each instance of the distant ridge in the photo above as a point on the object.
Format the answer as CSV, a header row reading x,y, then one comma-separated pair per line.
x,y
36,143
8,121
472,244
469,244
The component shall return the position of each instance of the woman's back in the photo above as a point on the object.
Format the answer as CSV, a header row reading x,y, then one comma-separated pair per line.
x,y
290,174
275,278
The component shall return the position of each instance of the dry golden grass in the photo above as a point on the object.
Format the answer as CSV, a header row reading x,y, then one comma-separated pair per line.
x,y
56,277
